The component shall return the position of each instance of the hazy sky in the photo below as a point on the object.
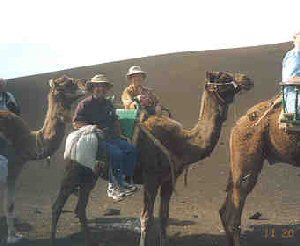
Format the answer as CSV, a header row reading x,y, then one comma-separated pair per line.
x,y
47,35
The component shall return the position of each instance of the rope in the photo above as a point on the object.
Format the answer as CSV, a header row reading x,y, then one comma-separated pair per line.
x,y
272,106
40,151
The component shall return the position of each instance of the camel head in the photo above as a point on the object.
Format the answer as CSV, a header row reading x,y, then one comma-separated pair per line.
x,y
67,90
224,86
64,91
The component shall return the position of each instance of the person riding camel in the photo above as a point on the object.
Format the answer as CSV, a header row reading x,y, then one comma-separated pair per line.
x,y
290,78
99,111
7,103
7,100
291,75
136,93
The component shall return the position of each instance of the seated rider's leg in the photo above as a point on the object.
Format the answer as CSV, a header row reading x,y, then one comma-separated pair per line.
x,y
101,151
150,110
290,99
129,156
111,178
115,161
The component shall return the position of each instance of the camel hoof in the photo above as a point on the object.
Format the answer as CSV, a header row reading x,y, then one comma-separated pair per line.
x,y
14,239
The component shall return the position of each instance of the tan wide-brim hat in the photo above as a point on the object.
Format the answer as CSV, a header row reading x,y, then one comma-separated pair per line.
x,y
135,70
100,79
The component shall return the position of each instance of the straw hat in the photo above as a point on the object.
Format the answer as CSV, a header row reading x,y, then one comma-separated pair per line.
x,y
135,70
100,79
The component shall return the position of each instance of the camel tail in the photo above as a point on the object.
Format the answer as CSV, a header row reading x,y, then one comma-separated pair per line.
x,y
165,151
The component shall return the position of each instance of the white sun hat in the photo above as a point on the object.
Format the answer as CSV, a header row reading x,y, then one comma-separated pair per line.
x,y
135,70
100,79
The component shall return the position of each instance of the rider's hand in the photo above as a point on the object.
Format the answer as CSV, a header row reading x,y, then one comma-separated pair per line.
x,y
134,105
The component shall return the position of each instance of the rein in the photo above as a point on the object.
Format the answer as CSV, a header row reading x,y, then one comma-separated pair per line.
x,y
213,87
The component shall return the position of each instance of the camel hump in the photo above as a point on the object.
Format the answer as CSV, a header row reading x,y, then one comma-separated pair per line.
x,y
12,126
261,110
167,124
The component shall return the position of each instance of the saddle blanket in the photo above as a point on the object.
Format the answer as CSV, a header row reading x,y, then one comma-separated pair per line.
x,y
82,145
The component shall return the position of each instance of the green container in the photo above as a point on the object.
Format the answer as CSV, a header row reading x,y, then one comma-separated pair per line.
x,y
127,119
296,119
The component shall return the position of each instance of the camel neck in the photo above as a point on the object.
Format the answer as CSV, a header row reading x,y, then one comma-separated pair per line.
x,y
49,138
206,133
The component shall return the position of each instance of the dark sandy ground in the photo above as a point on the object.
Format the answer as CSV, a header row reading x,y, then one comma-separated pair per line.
x,y
194,209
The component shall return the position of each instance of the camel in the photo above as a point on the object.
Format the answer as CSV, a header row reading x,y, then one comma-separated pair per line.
x,y
185,146
165,149
256,137
29,145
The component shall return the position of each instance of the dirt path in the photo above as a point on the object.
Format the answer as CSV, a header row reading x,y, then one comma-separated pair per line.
x,y
194,210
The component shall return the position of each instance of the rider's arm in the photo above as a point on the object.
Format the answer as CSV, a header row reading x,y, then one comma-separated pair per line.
x,y
80,116
78,124
295,80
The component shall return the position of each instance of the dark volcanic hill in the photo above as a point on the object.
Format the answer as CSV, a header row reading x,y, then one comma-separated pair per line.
x,y
177,78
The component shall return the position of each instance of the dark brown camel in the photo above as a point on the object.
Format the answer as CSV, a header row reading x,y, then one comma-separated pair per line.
x,y
253,140
37,145
165,149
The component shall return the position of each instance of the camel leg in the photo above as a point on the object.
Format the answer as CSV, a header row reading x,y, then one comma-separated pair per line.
x,y
80,209
231,211
147,219
2,198
3,229
12,236
165,195
68,184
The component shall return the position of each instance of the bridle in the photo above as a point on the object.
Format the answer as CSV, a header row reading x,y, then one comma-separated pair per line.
x,y
215,89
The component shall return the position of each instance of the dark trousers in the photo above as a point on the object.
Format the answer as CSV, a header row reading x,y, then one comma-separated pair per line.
x,y
122,158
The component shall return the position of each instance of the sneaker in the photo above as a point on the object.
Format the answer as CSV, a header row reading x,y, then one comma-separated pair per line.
x,y
128,186
115,193
15,238
128,190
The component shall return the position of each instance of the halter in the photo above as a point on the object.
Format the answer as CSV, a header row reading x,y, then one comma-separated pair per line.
x,y
214,88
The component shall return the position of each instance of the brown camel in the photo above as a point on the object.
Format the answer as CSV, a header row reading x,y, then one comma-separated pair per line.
x,y
250,145
29,145
165,149
185,146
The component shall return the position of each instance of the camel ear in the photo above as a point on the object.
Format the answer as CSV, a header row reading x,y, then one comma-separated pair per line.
x,y
51,84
